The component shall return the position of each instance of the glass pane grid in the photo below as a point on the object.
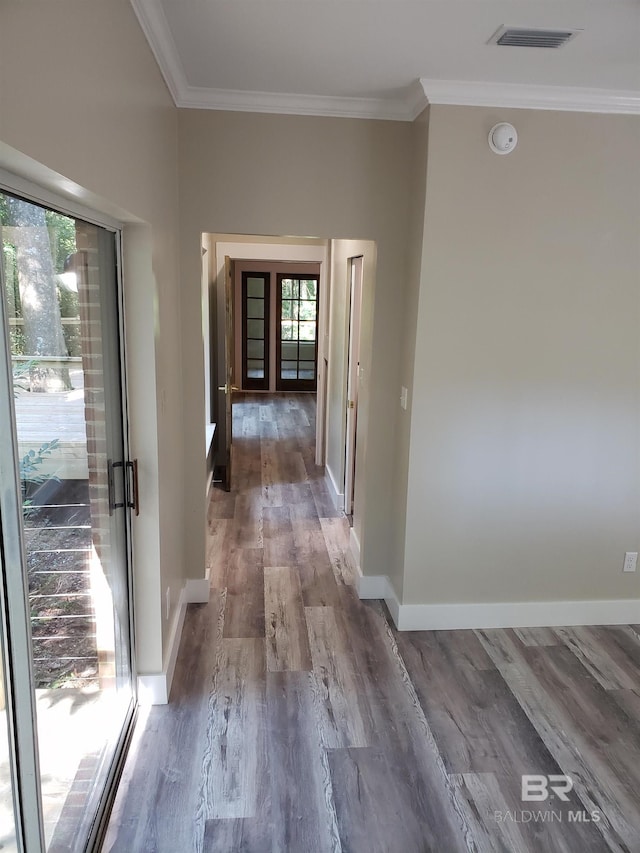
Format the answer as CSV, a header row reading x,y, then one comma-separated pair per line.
x,y
298,328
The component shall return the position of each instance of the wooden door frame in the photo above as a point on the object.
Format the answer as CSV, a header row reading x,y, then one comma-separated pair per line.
x,y
356,278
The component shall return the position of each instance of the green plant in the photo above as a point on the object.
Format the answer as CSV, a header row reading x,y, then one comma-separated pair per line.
x,y
22,375
32,461
29,474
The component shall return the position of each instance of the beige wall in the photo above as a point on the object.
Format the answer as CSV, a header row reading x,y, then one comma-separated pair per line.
x,y
81,94
524,476
284,175
416,262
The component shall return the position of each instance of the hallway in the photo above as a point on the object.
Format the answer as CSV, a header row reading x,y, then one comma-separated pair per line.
x,y
301,721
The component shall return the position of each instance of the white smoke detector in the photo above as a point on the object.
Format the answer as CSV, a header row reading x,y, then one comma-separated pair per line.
x,y
503,138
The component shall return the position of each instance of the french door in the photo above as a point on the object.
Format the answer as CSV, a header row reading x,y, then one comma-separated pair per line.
x,y
66,493
297,332
255,331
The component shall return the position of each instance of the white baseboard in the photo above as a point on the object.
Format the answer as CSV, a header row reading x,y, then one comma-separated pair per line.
x,y
196,591
155,688
378,586
372,586
529,614
354,547
336,496
500,614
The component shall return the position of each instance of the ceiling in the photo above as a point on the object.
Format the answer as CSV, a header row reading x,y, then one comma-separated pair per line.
x,y
385,58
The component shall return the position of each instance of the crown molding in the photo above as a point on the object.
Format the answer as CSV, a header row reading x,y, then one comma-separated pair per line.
x,y
389,109
405,107
522,96
154,25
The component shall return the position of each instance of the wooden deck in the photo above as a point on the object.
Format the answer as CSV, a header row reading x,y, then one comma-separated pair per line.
x,y
43,417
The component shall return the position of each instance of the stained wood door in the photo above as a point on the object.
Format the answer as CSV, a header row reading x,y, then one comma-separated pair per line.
x,y
297,332
255,331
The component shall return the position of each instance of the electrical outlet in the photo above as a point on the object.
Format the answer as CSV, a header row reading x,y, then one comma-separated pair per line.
x,y
630,561
168,598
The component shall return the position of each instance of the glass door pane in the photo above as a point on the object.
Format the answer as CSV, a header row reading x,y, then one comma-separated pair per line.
x,y
61,299
297,332
255,331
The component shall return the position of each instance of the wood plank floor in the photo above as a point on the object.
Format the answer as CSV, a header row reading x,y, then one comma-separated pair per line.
x,y
301,721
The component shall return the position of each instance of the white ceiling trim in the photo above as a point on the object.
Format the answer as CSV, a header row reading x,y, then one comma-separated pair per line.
x,y
154,25
390,109
156,29
565,98
404,108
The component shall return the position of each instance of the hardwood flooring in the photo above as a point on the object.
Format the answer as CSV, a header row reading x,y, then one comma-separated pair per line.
x,y
301,721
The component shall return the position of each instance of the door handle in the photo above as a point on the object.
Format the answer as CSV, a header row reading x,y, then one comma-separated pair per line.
x,y
113,504
133,495
225,388
130,472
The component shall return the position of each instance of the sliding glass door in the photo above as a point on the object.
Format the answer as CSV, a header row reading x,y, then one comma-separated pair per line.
x,y
63,443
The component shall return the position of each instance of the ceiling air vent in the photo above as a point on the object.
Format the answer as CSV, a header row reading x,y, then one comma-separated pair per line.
x,y
526,37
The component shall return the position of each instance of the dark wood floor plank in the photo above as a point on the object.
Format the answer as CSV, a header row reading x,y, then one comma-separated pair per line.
x,y
244,608
482,801
237,835
277,532
157,806
286,628
601,656
234,775
537,636
319,587
477,722
304,816
247,522
222,505
340,699
399,721
219,538
270,476
323,500
380,808
336,538
593,780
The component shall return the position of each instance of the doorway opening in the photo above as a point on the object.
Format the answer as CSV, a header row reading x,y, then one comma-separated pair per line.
x,y
353,380
292,315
